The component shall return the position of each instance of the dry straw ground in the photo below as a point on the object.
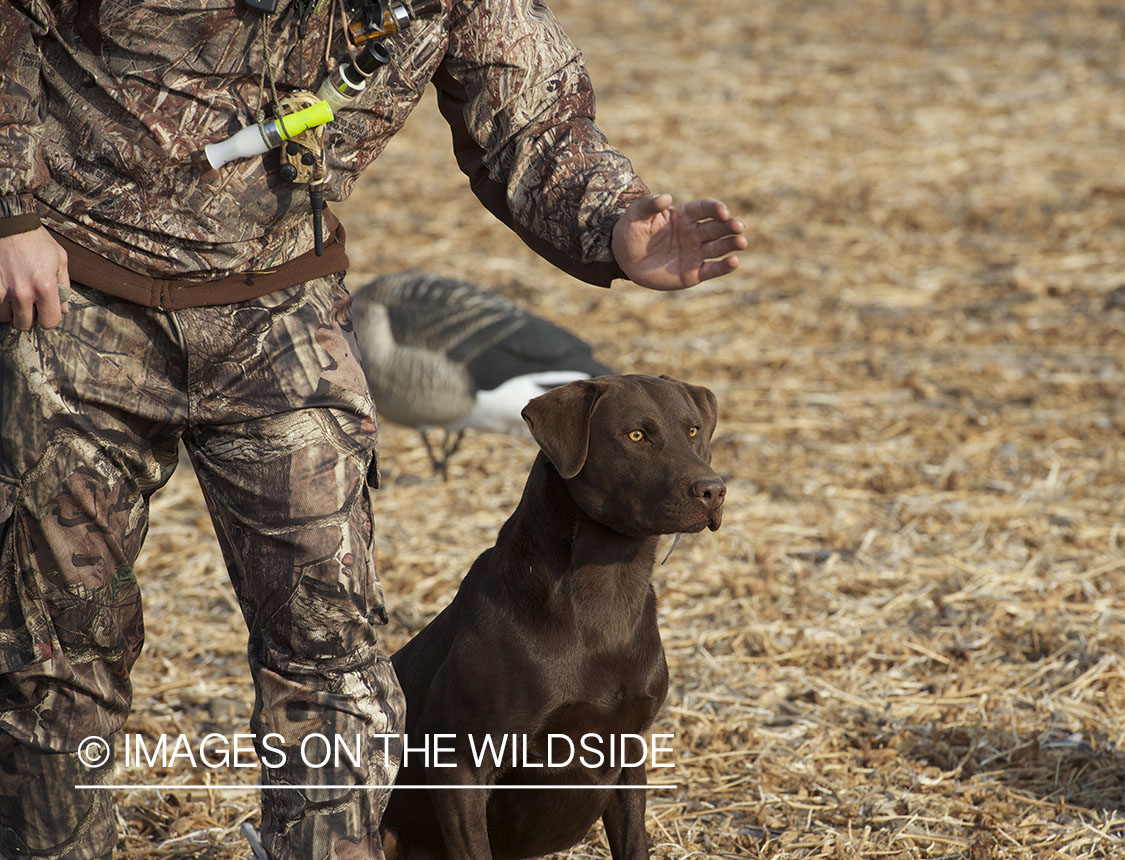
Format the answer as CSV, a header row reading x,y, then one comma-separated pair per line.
x,y
908,639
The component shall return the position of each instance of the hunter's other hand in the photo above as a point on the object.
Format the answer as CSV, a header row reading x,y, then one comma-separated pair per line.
x,y
33,273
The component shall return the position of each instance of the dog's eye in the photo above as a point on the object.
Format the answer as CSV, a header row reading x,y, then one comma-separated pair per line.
x,y
636,435
693,432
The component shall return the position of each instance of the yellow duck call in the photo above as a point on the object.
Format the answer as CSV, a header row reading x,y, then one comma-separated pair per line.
x,y
264,136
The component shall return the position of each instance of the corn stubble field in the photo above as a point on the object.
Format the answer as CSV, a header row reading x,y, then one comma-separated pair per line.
x,y
908,638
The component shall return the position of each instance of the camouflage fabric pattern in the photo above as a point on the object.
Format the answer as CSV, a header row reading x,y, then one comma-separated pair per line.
x,y
272,405
134,91
42,816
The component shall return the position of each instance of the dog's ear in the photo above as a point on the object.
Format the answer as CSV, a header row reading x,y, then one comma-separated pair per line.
x,y
560,422
705,401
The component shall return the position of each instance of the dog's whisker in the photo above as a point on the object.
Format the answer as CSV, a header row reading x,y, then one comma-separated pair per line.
x,y
675,540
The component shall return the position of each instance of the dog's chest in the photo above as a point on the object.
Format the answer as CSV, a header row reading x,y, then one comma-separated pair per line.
x,y
609,694
623,712
608,680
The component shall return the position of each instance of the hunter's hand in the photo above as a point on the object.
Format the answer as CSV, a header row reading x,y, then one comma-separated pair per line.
x,y
32,274
666,247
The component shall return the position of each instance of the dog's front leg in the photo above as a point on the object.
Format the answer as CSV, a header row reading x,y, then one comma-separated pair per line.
x,y
461,811
624,817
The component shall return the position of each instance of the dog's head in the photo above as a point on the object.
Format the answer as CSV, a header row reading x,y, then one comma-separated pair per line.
x,y
635,451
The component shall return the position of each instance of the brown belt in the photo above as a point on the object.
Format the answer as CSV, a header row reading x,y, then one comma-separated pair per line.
x,y
92,270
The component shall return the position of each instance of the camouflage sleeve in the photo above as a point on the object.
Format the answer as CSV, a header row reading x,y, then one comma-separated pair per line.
x,y
519,100
22,169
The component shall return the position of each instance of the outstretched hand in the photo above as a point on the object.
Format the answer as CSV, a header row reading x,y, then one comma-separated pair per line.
x,y
666,247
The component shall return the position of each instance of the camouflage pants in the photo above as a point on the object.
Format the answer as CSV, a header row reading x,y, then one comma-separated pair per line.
x,y
272,406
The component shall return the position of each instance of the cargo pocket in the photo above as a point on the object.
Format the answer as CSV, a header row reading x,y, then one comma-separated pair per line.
x,y
26,633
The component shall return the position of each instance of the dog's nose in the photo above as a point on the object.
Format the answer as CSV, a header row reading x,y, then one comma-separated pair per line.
x,y
710,491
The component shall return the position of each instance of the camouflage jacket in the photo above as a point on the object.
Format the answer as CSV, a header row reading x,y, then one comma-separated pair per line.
x,y
106,106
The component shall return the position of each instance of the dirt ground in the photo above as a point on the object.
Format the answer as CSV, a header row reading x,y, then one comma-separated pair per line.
x,y
908,638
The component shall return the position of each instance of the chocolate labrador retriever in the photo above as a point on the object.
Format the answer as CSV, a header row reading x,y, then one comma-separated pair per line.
x,y
550,645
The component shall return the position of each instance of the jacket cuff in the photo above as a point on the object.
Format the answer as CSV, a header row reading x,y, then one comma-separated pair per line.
x,y
19,224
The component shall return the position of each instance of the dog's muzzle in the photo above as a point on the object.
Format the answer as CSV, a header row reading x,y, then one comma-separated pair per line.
x,y
711,492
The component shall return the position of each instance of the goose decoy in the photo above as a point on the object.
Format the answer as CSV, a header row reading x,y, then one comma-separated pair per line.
x,y
444,353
